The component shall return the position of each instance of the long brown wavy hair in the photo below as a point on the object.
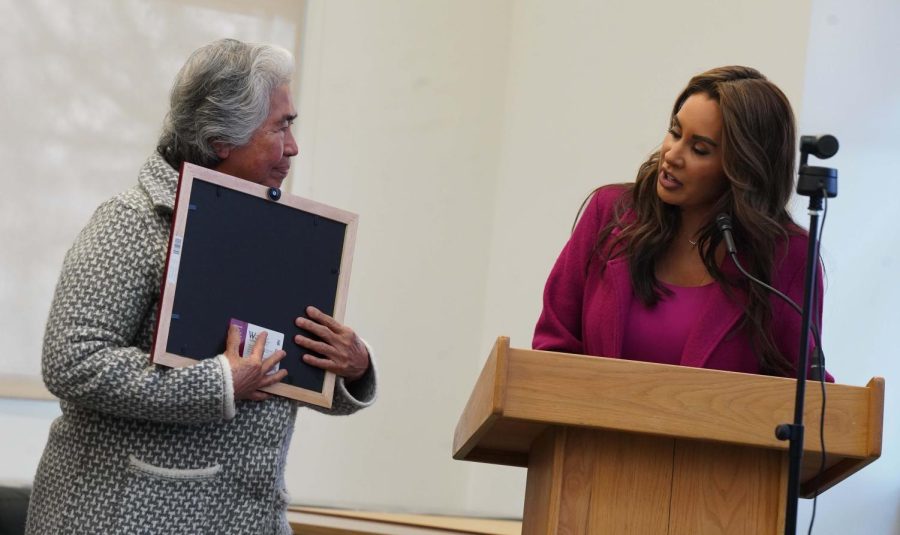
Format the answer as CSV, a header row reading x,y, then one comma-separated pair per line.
x,y
758,151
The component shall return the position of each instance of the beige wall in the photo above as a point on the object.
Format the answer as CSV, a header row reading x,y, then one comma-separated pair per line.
x,y
589,93
465,133
400,121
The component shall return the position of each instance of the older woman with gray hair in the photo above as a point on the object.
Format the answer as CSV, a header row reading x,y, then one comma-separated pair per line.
x,y
141,449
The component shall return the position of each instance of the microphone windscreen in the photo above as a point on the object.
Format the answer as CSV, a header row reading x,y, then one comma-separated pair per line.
x,y
723,221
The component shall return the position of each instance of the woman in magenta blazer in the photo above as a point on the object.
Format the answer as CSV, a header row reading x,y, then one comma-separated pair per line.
x,y
645,275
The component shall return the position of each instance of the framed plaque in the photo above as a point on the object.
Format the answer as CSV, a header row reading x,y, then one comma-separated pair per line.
x,y
246,254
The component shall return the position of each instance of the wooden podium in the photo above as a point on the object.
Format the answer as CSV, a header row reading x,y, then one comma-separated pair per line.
x,y
623,447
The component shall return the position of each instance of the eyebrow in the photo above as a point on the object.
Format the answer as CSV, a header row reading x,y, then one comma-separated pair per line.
x,y
704,139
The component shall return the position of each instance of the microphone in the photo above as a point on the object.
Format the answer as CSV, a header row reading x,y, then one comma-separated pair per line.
x,y
723,222
822,147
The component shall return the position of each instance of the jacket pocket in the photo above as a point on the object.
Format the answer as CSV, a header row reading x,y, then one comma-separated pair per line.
x,y
158,500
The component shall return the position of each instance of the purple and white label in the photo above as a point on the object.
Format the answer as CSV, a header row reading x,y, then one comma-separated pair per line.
x,y
249,336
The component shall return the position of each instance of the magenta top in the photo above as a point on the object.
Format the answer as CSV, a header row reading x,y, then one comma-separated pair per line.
x,y
658,333
588,310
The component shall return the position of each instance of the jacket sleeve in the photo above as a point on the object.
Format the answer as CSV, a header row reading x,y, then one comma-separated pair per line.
x,y
787,321
101,310
560,323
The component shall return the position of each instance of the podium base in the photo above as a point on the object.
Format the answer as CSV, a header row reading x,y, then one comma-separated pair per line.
x,y
598,481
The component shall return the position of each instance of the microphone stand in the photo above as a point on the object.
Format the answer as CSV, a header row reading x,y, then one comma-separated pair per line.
x,y
816,183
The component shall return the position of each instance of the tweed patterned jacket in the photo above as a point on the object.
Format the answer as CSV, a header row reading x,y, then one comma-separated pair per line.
x,y
140,449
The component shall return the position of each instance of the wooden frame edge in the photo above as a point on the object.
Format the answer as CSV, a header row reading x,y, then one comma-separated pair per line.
x,y
159,355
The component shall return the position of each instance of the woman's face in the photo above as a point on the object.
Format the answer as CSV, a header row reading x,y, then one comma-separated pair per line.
x,y
266,158
690,164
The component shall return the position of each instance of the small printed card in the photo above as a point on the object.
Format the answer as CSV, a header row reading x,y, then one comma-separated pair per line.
x,y
249,334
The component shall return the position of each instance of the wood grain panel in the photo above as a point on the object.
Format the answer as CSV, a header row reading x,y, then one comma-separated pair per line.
x,y
543,484
677,401
506,442
485,403
720,488
599,437
629,483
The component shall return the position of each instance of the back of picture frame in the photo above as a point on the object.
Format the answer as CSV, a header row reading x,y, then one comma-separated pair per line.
x,y
243,253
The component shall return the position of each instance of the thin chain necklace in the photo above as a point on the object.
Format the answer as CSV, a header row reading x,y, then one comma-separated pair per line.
x,y
692,242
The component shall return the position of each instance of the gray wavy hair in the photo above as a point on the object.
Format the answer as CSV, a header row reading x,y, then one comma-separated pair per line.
x,y
221,94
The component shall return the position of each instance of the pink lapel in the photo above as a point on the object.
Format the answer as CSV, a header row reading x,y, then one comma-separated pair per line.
x,y
719,316
619,305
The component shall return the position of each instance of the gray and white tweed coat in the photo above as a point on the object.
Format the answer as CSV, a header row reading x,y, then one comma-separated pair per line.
x,y
141,449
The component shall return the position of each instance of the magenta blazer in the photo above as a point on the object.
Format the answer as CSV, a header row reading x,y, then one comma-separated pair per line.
x,y
585,311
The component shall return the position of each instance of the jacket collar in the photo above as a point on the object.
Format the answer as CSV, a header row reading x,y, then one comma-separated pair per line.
x,y
160,181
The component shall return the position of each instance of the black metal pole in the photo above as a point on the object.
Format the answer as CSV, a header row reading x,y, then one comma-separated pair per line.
x,y
815,182
794,432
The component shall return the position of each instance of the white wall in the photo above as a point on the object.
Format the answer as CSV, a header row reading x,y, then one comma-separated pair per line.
x,y
465,134
400,121
590,90
852,90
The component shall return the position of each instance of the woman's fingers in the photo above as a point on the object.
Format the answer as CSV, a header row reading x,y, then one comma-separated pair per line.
x,y
314,345
253,372
256,395
259,346
233,340
273,360
317,315
344,353
314,328
320,324
326,364
274,378
347,368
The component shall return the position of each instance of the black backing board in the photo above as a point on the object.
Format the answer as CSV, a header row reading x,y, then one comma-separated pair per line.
x,y
241,255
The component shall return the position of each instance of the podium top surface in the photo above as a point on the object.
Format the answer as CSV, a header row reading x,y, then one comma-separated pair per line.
x,y
520,393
